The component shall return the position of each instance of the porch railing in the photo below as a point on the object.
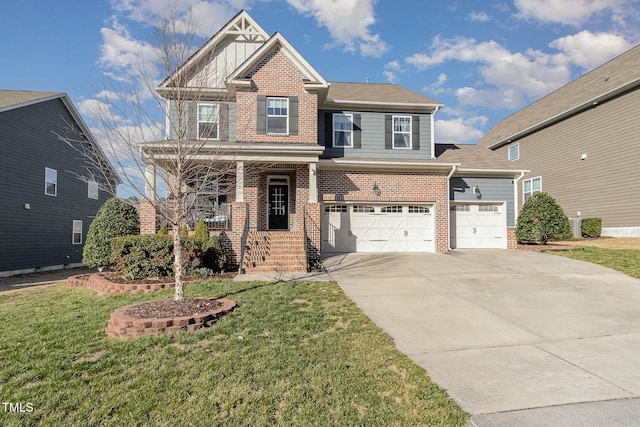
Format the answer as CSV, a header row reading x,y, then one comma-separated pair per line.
x,y
312,237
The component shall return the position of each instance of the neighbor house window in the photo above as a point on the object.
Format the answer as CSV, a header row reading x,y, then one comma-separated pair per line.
x,y
531,186
342,130
277,115
514,152
207,121
402,132
93,190
77,232
50,182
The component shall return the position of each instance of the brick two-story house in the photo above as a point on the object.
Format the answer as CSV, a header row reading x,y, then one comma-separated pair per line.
x,y
323,167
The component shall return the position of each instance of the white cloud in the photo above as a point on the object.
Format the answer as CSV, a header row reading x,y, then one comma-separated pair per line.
x,y
588,50
459,130
436,87
347,21
478,17
202,17
391,71
571,12
120,51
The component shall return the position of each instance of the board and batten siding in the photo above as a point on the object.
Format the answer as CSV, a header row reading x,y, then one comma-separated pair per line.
x,y
496,189
372,137
227,119
605,183
42,235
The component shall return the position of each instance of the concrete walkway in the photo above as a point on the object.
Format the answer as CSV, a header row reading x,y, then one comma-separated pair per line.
x,y
515,337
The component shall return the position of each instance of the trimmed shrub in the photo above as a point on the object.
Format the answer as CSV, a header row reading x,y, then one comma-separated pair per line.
x,y
184,231
114,219
542,219
214,256
151,255
164,230
201,233
591,227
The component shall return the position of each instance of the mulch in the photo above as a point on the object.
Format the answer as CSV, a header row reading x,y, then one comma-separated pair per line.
x,y
169,308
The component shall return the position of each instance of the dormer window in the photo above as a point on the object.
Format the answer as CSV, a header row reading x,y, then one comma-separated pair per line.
x,y
277,115
208,121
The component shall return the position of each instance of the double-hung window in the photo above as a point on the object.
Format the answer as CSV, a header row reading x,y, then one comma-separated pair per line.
x,y
531,186
92,191
77,232
402,132
342,130
514,152
50,182
278,115
208,121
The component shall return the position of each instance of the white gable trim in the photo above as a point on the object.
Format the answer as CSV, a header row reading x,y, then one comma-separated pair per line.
x,y
240,25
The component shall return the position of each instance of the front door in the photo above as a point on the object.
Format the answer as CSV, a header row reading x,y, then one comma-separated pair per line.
x,y
278,207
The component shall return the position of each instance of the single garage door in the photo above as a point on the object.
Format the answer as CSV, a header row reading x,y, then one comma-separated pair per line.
x,y
377,228
478,226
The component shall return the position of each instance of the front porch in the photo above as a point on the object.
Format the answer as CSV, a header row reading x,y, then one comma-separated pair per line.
x,y
266,214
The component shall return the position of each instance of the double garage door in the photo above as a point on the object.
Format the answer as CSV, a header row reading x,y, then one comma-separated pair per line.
x,y
478,226
377,228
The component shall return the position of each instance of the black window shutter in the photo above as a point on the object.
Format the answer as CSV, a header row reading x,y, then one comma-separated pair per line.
x,y
261,125
388,132
328,130
293,115
223,122
357,131
415,132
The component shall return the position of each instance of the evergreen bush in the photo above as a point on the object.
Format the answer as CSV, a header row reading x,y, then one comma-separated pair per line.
x,y
591,227
201,233
151,255
214,255
542,219
114,219
164,230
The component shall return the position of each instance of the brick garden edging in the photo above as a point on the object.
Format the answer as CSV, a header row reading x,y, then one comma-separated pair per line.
x,y
104,286
123,326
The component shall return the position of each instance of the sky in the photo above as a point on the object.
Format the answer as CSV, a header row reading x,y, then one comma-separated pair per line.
x,y
482,59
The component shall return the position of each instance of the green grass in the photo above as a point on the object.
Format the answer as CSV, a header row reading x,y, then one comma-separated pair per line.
x,y
290,354
624,260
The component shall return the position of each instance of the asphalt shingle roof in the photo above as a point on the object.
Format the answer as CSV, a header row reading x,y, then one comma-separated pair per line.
x,y
376,93
9,98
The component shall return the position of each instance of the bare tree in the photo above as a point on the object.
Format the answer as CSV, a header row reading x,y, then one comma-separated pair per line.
x,y
178,130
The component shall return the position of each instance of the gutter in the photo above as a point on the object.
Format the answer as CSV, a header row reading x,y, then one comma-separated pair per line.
x,y
515,195
591,103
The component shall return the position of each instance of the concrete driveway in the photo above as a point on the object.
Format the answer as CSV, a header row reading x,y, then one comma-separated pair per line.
x,y
515,337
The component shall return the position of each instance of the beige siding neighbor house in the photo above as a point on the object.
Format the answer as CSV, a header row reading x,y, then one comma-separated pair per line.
x,y
581,144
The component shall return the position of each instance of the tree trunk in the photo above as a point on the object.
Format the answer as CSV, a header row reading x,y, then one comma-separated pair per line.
x,y
177,265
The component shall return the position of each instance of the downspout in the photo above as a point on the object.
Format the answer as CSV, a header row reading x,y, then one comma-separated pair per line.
x,y
515,196
433,138
454,168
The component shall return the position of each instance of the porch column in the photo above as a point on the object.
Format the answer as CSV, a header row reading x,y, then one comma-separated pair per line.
x,y
313,183
240,181
147,207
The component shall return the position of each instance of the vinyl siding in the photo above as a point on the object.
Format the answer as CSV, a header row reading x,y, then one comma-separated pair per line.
x,y
40,236
492,190
604,184
373,138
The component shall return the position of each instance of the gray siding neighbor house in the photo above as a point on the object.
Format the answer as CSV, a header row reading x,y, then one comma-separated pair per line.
x,y
46,208
581,145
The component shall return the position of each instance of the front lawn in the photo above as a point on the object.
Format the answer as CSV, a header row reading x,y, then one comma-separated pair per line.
x,y
290,354
624,260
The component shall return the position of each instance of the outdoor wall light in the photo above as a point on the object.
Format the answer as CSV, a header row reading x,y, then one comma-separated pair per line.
x,y
376,189
476,192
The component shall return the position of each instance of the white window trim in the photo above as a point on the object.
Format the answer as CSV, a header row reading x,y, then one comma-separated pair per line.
x,y
55,182
532,192
267,115
216,121
393,132
76,224
93,191
348,116
517,149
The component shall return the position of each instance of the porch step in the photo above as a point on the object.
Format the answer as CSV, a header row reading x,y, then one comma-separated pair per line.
x,y
275,251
